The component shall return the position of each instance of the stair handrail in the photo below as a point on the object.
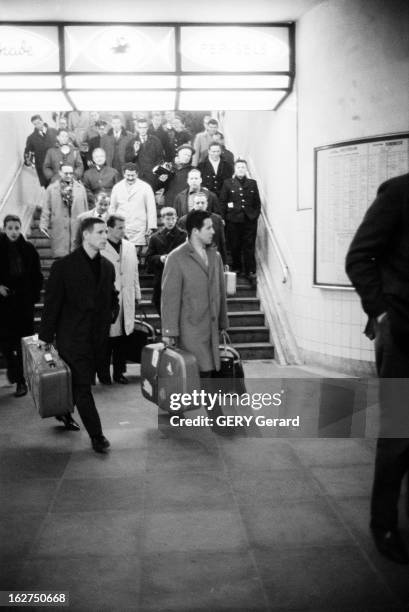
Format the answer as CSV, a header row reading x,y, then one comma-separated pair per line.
x,y
284,267
274,241
11,186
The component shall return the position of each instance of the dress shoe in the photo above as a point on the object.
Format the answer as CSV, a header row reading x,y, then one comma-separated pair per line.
x,y
69,422
122,380
391,545
105,380
21,389
100,443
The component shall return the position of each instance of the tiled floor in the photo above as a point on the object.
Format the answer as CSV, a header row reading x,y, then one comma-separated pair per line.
x,y
185,520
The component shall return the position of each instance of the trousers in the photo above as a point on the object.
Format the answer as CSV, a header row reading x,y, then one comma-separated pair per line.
x,y
85,404
241,240
392,452
14,360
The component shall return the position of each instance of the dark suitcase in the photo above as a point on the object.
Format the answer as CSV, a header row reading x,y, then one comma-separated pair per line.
x,y
143,334
48,378
178,373
166,370
231,368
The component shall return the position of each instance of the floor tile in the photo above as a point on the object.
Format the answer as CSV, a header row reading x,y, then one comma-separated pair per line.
x,y
332,451
212,530
20,463
93,583
205,581
99,494
273,487
253,454
117,463
187,491
18,531
345,481
188,454
301,524
321,578
26,495
89,533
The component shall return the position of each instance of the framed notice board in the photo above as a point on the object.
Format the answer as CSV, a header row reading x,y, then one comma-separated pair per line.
x,y
347,176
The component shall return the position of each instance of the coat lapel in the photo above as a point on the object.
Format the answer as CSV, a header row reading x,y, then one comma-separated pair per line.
x,y
199,260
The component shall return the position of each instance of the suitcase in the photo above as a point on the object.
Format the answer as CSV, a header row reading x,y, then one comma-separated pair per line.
x,y
231,368
166,370
230,279
178,373
149,370
48,378
142,335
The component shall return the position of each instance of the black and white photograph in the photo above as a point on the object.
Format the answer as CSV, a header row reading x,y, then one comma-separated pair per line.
x,y
204,305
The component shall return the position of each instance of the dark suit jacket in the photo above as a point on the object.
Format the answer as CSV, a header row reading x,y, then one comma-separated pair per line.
x,y
79,311
218,239
245,198
115,150
378,259
150,154
162,243
39,145
212,181
163,136
181,202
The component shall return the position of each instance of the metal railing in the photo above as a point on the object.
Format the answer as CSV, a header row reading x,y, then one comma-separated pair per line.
x,y
11,186
274,241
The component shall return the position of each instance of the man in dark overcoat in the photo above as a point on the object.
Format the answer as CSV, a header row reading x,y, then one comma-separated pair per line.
x,y
378,265
40,140
161,244
20,285
146,151
80,305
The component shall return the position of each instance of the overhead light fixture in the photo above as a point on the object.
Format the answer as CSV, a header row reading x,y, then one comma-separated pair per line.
x,y
41,81
120,81
123,100
230,100
242,81
33,100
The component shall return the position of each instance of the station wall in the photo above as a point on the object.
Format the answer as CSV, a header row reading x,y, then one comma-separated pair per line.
x,y
352,70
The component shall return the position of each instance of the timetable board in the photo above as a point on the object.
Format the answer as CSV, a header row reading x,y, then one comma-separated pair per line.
x,y
347,176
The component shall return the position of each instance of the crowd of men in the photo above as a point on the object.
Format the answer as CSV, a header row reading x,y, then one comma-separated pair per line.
x,y
109,182
139,164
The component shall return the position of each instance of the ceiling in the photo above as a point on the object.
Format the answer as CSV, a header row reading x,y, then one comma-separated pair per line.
x,y
233,11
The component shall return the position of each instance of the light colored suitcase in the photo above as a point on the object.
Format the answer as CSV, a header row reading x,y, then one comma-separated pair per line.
x,y
149,370
230,280
48,378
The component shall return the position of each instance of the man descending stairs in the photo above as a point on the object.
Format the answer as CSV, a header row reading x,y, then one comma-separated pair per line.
x,y
247,331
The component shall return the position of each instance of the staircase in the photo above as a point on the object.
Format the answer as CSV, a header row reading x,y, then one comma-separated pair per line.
x,y
247,331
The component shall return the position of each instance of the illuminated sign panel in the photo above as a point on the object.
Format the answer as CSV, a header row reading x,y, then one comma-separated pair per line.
x,y
119,48
235,48
33,49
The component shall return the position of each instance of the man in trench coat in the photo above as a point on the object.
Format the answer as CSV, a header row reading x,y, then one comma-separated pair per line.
x,y
194,307
122,254
80,305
